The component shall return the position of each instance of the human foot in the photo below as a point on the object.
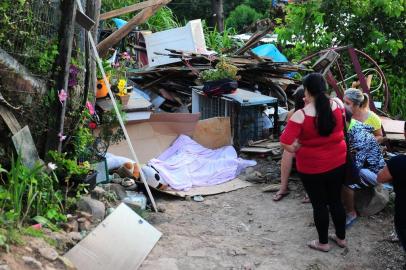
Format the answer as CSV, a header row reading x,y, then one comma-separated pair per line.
x,y
280,195
318,246
350,219
340,242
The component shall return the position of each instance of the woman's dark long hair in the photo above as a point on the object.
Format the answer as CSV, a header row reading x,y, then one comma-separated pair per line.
x,y
317,87
298,96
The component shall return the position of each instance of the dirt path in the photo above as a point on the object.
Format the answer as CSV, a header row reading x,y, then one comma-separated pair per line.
x,y
245,229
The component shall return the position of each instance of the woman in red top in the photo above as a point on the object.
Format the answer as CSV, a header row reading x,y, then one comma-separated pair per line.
x,y
316,135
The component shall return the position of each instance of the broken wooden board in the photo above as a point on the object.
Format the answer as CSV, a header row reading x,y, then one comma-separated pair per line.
x,y
266,144
128,9
213,133
392,126
253,149
10,120
122,241
212,190
25,147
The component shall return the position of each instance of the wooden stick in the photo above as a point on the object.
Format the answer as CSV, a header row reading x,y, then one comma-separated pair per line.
x,y
119,34
125,10
120,119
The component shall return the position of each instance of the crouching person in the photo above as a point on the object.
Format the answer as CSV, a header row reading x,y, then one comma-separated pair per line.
x,y
368,160
394,172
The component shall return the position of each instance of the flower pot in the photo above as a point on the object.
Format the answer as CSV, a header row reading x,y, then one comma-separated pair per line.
x,y
89,179
124,99
101,89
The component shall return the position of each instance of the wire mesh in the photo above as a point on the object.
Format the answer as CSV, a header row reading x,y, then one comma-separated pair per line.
x,y
29,31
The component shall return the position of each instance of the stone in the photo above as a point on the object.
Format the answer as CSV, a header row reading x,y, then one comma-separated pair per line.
x,y
371,201
48,253
67,263
94,207
85,226
28,249
71,226
85,215
118,189
5,267
98,193
49,267
75,236
33,263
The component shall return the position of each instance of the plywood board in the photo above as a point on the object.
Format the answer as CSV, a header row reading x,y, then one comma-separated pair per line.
x,y
213,133
256,150
392,126
212,190
153,136
25,147
122,241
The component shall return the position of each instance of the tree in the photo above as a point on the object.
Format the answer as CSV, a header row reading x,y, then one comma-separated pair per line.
x,y
374,26
242,17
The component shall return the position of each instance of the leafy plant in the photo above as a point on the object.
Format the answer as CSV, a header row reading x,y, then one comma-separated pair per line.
x,y
223,70
220,42
243,16
28,192
110,130
163,19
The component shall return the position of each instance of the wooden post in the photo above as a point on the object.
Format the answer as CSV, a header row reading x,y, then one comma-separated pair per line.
x,y
57,112
118,35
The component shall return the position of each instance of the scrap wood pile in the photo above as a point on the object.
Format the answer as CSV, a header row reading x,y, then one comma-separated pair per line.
x,y
174,81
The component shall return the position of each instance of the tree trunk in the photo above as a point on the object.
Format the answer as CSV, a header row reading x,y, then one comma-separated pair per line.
x,y
218,14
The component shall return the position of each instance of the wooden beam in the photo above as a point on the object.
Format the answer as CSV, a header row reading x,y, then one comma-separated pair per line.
x,y
132,8
58,110
10,120
119,34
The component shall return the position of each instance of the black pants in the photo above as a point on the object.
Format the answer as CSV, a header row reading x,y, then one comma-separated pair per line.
x,y
400,226
324,191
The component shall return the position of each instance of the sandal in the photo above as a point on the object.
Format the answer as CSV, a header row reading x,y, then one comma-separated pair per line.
x,y
334,238
316,246
279,196
306,199
350,220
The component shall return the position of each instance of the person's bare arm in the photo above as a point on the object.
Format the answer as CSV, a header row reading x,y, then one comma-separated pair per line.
x,y
379,135
291,148
384,175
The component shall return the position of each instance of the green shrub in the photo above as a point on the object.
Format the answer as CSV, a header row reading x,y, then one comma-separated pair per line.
x,y
242,16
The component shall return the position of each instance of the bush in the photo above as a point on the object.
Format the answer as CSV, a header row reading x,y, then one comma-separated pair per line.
x,y
242,17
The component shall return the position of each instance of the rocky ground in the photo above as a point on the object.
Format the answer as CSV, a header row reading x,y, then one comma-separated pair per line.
x,y
243,229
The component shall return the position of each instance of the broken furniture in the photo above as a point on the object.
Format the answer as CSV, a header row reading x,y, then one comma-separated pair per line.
x,y
246,110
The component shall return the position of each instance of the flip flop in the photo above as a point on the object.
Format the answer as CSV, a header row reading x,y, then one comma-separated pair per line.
x,y
279,196
314,245
333,238
350,220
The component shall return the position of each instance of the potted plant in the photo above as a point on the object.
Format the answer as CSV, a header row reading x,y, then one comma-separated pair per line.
x,y
220,80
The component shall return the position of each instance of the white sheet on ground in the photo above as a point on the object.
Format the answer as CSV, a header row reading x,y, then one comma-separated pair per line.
x,y
186,164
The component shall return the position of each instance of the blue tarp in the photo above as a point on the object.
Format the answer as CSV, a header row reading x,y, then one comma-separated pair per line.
x,y
119,22
270,51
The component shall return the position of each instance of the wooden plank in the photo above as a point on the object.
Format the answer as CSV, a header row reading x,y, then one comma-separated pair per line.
x,y
125,10
67,31
118,35
10,120
84,21
211,190
122,241
25,147
256,150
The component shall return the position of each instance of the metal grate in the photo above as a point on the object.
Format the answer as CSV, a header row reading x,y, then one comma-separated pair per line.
x,y
247,122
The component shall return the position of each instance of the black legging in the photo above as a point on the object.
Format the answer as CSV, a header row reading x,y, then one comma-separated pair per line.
x,y
324,191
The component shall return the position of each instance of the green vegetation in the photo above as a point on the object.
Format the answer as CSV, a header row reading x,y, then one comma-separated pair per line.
x,y
243,16
223,70
374,26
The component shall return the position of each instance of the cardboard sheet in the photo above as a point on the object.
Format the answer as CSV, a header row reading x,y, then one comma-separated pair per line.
x,y
151,137
212,190
122,241
213,133
392,126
